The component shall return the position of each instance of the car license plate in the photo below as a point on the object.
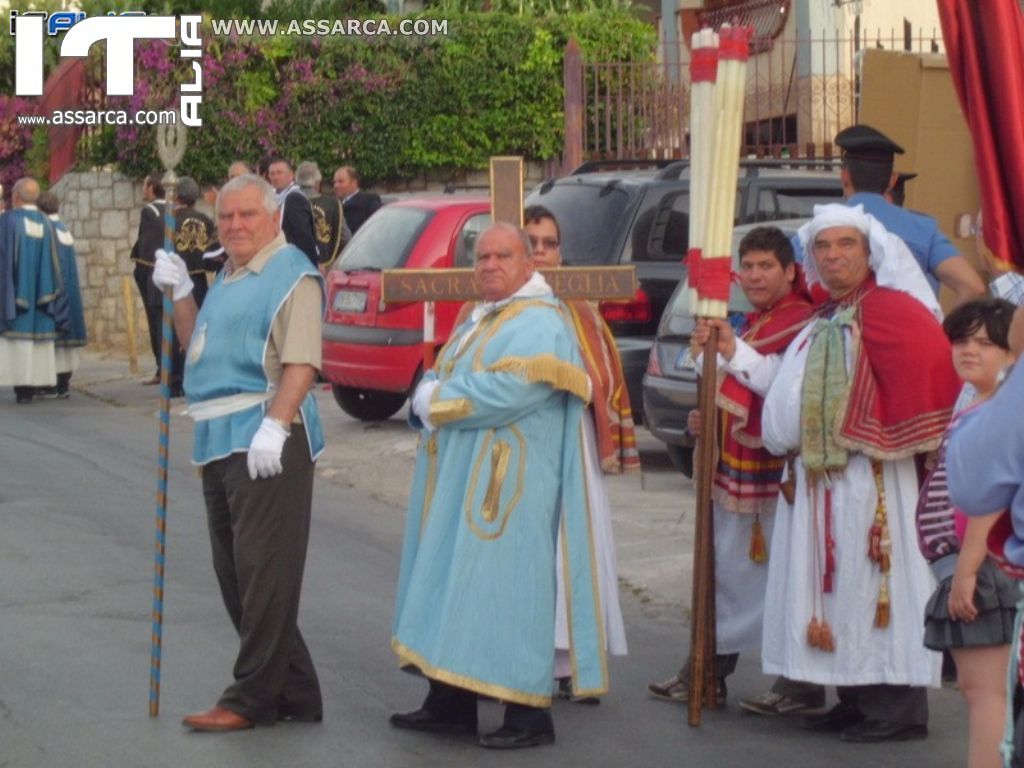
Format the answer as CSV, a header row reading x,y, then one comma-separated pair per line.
x,y
683,359
350,301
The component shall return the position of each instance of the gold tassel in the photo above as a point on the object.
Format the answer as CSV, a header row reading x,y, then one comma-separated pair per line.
x,y
548,369
758,547
882,609
828,642
814,633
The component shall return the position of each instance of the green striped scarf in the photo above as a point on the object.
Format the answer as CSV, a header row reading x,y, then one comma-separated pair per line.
x,y
825,387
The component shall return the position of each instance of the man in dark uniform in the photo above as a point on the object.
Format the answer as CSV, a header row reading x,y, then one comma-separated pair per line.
x,y
867,174
328,221
358,205
296,212
193,236
151,237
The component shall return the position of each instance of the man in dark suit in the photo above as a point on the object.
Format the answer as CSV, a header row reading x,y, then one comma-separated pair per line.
x,y
151,237
296,212
358,205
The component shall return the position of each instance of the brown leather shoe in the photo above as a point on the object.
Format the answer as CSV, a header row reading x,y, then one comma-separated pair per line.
x,y
217,719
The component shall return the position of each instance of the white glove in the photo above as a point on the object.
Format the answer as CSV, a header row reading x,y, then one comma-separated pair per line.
x,y
264,459
421,401
169,271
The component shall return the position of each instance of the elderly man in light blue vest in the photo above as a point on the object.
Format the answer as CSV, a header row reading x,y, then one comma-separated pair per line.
x,y
253,353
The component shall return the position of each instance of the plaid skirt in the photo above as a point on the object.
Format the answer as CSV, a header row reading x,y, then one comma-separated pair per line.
x,y
995,597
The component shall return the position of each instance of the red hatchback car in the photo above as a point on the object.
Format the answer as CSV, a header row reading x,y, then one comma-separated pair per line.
x,y
373,352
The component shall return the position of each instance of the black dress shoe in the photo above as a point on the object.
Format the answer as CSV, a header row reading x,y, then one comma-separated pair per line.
x,y
508,737
874,731
425,720
840,717
289,716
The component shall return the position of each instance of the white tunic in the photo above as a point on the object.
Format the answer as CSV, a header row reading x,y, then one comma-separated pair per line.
x,y
604,554
864,655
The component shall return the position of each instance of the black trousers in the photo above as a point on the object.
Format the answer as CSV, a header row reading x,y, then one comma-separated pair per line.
x,y
259,530
458,704
154,310
897,703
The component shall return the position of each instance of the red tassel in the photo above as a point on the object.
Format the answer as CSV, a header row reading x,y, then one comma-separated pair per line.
x,y
830,565
875,542
758,547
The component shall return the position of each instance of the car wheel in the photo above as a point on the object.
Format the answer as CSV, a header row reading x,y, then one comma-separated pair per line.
x,y
681,458
368,404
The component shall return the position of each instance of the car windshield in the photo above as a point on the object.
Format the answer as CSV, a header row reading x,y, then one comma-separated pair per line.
x,y
589,216
385,240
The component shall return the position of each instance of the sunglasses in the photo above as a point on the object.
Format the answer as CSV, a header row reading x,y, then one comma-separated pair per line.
x,y
548,243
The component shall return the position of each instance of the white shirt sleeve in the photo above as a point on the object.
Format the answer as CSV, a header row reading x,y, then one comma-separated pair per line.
x,y
780,419
752,369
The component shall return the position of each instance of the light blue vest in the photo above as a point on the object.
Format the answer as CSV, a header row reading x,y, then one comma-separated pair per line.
x,y
225,355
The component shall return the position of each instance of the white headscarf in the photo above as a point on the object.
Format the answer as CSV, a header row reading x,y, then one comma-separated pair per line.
x,y
892,262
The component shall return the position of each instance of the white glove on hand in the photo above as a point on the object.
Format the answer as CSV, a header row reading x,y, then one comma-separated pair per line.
x,y
169,271
264,459
421,401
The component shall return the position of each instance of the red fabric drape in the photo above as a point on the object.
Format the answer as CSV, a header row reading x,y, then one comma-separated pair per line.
x,y
985,47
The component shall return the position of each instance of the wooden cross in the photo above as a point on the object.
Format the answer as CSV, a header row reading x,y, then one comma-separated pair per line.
x,y
432,285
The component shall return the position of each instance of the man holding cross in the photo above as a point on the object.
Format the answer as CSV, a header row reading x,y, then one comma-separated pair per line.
x,y
475,609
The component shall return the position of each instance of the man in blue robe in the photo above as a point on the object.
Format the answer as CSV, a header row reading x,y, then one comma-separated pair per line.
x,y
30,285
70,315
499,471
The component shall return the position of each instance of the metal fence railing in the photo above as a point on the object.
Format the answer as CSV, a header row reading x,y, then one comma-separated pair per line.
x,y
800,93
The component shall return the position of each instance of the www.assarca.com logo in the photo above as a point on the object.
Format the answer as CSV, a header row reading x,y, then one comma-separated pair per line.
x,y
120,34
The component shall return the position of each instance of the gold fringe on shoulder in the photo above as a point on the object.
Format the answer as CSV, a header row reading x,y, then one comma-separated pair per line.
x,y
547,369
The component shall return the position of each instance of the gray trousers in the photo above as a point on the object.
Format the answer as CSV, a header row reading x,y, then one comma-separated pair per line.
x,y
259,530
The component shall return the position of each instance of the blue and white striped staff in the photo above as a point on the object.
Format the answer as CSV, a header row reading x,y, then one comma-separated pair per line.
x,y
170,143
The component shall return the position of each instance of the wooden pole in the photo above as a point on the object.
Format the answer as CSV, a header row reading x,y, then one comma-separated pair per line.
x,y
572,81
428,335
703,687
129,320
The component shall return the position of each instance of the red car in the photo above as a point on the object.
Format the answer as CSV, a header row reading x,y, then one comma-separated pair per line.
x,y
373,352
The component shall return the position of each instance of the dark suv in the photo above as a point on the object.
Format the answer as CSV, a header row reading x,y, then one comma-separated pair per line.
x,y
640,216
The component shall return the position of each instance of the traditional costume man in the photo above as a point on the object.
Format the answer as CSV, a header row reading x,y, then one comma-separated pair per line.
x,y
69,311
609,441
859,394
747,478
475,610
30,286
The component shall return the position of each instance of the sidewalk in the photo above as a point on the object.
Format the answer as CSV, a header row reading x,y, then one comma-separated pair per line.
x,y
652,514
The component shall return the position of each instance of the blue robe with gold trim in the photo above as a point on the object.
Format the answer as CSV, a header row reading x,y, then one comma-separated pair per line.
x,y
493,483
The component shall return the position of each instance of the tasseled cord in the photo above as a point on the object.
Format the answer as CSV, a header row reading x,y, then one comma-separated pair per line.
x,y
758,547
880,549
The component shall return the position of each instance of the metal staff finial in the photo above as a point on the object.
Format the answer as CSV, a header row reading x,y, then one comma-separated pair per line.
x,y
170,146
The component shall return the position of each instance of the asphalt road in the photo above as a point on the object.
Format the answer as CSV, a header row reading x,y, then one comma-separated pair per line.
x,y
76,544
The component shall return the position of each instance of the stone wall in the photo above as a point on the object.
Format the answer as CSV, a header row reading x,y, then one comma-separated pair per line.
x,y
101,208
